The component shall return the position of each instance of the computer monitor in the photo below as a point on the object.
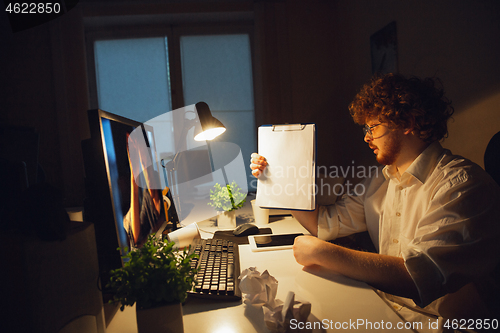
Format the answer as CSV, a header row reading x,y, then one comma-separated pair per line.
x,y
123,212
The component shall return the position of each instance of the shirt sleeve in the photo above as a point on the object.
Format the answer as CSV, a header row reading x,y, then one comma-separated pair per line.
x,y
347,215
457,239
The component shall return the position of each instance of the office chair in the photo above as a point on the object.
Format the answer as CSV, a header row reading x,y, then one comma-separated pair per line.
x,y
492,167
492,158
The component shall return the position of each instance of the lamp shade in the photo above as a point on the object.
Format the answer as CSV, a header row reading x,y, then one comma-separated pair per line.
x,y
211,127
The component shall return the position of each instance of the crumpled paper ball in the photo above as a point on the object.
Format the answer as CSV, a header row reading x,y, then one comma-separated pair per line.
x,y
259,290
278,319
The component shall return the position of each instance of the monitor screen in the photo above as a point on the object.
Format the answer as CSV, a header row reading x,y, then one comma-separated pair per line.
x,y
120,203
138,210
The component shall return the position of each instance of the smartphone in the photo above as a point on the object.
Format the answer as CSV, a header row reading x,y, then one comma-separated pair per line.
x,y
272,242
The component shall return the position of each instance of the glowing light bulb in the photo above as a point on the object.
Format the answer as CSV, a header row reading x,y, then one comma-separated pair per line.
x,y
210,134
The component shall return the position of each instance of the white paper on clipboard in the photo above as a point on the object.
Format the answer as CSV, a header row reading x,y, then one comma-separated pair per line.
x,y
289,179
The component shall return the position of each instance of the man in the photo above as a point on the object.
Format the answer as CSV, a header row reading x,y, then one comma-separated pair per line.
x,y
432,216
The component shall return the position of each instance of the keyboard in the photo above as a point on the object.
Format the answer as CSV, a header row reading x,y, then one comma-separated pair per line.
x,y
218,263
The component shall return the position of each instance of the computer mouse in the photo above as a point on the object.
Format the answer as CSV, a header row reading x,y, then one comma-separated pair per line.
x,y
246,230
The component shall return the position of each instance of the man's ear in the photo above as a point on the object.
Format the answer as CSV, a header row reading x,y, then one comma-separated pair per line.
x,y
411,126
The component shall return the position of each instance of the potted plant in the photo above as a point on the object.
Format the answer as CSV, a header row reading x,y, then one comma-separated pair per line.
x,y
226,200
157,277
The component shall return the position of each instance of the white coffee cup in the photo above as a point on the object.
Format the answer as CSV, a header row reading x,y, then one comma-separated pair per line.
x,y
184,236
261,215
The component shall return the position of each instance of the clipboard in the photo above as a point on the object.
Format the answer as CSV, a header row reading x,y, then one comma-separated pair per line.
x,y
289,179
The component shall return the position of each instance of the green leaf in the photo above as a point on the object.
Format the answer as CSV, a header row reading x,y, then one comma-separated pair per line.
x,y
153,275
227,198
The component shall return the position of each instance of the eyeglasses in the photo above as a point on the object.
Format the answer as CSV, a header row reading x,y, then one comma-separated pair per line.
x,y
368,129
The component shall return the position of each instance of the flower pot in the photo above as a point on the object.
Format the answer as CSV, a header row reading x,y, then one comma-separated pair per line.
x,y
165,319
226,219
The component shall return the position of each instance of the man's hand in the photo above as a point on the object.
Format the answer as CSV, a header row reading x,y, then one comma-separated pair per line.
x,y
258,164
306,250
383,272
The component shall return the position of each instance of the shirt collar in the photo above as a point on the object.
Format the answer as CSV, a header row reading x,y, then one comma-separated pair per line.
x,y
422,166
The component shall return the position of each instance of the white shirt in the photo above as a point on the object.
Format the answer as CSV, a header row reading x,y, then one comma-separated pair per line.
x,y
441,216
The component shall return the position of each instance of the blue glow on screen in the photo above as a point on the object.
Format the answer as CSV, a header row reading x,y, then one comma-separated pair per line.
x,y
113,174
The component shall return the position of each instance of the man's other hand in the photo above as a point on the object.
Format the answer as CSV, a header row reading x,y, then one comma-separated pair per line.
x,y
305,250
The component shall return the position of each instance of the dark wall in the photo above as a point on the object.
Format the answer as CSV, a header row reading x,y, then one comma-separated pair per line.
x,y
28,89
328,59
44,81
310,59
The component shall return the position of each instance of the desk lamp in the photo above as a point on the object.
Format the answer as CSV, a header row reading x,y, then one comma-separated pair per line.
x,y
211,127
185,167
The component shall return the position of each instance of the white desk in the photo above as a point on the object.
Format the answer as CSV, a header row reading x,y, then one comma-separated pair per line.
x,y
333,297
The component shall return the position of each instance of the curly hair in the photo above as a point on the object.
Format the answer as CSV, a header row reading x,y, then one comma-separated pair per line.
x,y
403,103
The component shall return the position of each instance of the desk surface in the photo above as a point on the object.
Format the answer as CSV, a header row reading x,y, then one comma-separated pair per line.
x,y
336,300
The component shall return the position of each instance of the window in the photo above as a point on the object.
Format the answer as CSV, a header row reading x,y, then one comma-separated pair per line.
x,y
146,76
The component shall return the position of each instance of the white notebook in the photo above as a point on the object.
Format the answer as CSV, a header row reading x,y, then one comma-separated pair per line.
x,y
289,179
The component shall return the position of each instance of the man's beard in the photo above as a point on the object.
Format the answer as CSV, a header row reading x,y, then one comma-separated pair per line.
x,y
392,148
